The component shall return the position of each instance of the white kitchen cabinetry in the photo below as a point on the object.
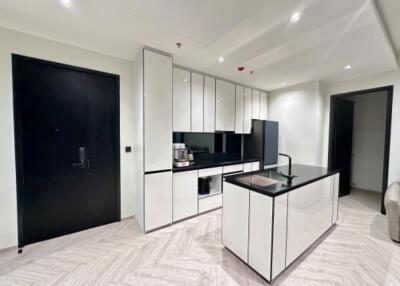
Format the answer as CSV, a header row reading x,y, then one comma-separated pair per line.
x,y
157,111
239,109
256,104
209,104
181,100
260,230
263,105
246,167
235,220
225,106
197,102
335,197
255,166
309,216
210,203
158,200
247,110
279,243
184,195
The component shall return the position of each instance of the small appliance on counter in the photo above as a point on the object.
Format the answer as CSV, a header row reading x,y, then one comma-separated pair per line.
x,y
180,155
204,185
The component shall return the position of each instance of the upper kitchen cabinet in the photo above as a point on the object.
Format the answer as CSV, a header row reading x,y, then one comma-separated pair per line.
x,y
239,109
225,106
197,102
157,111
247,110
263,105
256,104
209,104
181,100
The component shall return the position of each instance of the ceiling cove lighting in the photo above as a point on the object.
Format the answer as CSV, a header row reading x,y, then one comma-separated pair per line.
x,y
295,17
347,67
66,3
221,59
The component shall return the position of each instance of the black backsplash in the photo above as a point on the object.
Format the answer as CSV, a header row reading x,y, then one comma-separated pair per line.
x,y
211,143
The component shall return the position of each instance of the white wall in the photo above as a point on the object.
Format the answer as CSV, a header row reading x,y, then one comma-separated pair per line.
x,y
369,123
300,111
13,42
368,82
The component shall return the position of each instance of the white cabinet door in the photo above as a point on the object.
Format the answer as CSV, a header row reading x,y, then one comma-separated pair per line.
x,y
225,108
247,167
184,195
260,233
263,105
235,220
157,111
239,109
157,200
256,104
309,216
279,243
247,111
255,166
197,102
209,104
181,99
335,197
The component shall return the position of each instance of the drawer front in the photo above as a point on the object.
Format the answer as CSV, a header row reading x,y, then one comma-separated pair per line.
x,y
233,168
210,203
210,172
255,166
247,167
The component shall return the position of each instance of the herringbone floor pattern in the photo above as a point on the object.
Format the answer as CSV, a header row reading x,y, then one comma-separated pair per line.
x,y
356,252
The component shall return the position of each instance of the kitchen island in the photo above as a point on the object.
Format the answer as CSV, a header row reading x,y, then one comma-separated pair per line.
x,y
269,220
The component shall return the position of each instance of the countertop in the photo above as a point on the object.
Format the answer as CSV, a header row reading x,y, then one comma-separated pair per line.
x,y
305,174
206,160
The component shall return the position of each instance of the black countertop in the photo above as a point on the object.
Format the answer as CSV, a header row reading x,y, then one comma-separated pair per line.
x,y
305,174
206,160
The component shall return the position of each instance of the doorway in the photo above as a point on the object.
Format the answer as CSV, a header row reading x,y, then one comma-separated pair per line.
x,y
66,123
359,139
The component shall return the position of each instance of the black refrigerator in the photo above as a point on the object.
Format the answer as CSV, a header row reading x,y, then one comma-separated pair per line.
x,y
262,143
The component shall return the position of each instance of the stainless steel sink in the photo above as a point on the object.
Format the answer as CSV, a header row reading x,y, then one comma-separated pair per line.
x,y
259,180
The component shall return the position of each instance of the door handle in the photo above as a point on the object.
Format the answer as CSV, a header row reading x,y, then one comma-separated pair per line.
x,y
82,159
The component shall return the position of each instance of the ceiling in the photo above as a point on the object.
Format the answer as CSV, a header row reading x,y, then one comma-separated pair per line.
x,y
256,34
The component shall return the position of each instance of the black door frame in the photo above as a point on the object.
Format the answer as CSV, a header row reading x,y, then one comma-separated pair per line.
x,y
18,142
389,104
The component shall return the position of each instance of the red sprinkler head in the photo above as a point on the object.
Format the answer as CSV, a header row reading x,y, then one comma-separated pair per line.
x,y
241,68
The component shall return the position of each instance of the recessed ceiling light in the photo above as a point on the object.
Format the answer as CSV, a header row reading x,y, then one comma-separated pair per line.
x,y
347,67
221,59
185,80
66,3
295,17
283,83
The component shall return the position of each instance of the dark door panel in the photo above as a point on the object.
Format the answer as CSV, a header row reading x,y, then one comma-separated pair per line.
x,y
67,148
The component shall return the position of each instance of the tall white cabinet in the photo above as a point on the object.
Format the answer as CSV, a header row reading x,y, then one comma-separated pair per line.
x,y
197,102
256,104
209,104
263,105
247,110
225,106
153,147
239,118
181,100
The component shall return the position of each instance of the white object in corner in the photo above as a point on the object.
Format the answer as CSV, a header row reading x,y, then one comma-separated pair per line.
x,y
181,99
225,106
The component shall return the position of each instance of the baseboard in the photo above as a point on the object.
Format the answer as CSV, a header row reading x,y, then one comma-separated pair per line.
x,y
7,249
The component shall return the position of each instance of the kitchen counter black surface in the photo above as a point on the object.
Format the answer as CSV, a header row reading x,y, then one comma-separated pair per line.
x,y
305,174
206,160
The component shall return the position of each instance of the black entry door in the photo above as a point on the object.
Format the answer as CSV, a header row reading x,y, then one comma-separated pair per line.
x,y
67,148
341,141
